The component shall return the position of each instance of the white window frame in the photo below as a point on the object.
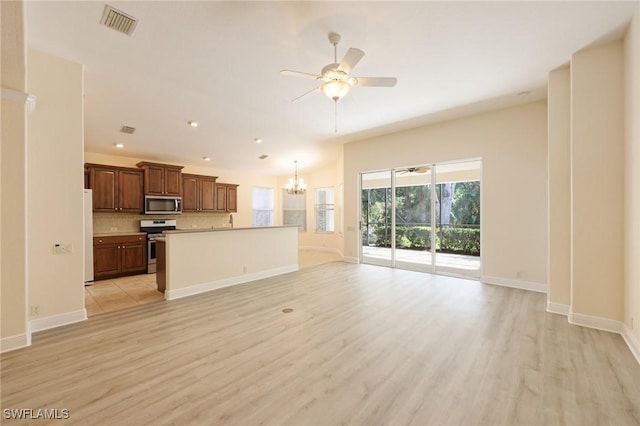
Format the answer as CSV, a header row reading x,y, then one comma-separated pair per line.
x,y
325,210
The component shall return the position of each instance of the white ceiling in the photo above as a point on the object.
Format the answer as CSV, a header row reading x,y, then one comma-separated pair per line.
x,y
218,63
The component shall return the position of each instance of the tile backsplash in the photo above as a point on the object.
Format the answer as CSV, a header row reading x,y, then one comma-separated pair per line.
x,y
123,222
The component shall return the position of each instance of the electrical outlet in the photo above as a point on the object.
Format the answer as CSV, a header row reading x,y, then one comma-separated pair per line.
x,y
34,310
193,225
60,248
114,229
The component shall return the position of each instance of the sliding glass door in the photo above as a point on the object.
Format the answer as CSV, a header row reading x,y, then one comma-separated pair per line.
x,y
376,218
413,218
457,216
424,218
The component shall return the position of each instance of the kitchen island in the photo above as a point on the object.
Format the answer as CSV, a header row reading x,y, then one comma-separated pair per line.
x,y
199,260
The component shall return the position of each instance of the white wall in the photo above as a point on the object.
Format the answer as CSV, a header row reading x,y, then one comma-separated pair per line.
x,y
513,146
55,191
631,315
559,164
14,332
597,181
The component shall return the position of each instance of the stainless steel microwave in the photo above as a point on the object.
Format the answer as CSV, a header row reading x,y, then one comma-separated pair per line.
x,y
156,204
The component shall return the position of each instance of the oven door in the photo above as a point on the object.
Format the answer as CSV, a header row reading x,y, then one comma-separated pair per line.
x,y
151,254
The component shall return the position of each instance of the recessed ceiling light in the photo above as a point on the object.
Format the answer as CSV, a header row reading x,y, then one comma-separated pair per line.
x,y
193,123
119,145
206,158
258,140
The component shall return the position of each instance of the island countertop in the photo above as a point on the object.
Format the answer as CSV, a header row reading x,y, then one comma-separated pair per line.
x,y
188,231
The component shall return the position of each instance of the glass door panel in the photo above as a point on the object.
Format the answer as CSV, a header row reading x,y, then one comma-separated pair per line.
x,y
413,219
376,218
457,218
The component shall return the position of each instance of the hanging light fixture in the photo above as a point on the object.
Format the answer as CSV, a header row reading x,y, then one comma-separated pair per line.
x,y
335,89
295,186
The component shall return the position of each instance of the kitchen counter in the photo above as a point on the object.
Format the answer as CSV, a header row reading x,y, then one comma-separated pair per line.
x,y
117,234
189,231
194,261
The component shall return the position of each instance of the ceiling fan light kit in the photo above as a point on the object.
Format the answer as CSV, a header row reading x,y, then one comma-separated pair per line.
x,y
335,78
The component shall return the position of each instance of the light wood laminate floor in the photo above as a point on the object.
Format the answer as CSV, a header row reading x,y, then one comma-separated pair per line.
x,y
120,293
364,345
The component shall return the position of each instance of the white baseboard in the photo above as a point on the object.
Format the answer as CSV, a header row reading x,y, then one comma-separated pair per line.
x,y
226,282
598,323
523,285
46,323
349,259
324,249
558,308
632,341
12,343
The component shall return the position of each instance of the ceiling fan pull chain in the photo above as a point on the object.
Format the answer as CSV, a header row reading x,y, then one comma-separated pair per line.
x,y
335,117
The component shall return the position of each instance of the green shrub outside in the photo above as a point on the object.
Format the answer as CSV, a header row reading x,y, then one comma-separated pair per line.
x,y
454,239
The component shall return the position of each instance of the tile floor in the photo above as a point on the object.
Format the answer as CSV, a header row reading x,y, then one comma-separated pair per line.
x,y
120,293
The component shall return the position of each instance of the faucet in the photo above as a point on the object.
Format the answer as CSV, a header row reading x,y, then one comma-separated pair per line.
x,y
231,220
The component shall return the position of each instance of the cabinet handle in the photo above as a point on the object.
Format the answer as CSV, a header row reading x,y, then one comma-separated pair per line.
x,y
123,247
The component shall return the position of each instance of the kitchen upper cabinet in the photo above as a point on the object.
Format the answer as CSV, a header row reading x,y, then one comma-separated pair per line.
x,y
198,193
119,255
115,189
161,179
226,197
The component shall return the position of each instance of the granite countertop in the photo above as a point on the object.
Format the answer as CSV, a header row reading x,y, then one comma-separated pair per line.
x,y
118,234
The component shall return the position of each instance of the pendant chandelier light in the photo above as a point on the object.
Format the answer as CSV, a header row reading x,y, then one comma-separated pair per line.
x,y
295,186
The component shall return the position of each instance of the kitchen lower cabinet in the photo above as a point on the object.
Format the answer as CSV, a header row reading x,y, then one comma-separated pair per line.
x,y
118,255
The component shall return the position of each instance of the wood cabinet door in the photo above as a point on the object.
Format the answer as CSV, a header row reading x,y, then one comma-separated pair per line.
x,y
154,184
106,260
190,193
130,194
173,182
221,198
133,257
207,194
232,198
104,183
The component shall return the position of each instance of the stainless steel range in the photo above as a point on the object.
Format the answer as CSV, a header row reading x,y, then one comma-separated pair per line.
x,y
154,229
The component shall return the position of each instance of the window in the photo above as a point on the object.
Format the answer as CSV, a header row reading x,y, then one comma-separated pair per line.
x,y
325,209
262,206
294,210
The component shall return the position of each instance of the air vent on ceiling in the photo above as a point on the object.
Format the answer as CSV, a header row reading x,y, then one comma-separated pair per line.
x,y
118,20
127,129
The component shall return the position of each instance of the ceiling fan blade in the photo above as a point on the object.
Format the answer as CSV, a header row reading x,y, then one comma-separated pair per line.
x,y
300,74
317,89
376,81
351,58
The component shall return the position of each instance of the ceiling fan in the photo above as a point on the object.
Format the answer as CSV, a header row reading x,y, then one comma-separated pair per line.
x,y
336,79
412,170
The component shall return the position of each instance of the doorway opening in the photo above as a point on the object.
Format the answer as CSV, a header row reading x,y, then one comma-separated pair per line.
x,y
424,218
